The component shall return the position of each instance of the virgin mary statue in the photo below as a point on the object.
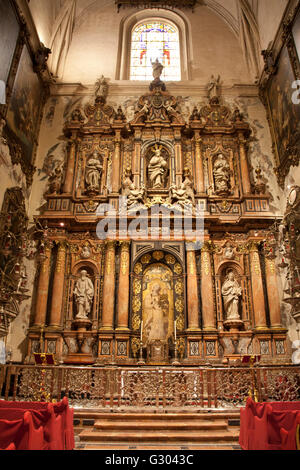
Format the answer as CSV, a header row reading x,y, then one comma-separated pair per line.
x,y
231,292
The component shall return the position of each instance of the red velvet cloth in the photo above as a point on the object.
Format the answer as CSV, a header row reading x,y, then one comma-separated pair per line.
x,y
22,433
269,426
56,421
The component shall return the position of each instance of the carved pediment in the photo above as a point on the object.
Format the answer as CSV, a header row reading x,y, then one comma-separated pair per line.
x,y
99,113
157,106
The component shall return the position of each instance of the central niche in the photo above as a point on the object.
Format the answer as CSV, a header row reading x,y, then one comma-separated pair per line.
x,y
158,304
157,171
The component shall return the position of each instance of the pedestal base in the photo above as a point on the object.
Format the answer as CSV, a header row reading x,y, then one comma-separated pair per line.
x,y
79,358
234,325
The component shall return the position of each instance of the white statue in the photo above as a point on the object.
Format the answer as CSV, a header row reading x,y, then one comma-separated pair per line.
x,y
184,194
221,173
93,172
213,86
157,170
85,252
101,87
231,292
157,69
133,194
84,294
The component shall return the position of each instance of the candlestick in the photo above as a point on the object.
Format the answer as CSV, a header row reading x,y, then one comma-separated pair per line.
x,y
175,330
142,331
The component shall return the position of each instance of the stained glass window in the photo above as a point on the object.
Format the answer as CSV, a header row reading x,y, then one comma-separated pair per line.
x,y
155,40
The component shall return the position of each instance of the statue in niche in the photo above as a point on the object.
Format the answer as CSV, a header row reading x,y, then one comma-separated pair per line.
x,y
93,173
133,194
157,68
157,170
221,172
231,293
84,294
156,309
184,194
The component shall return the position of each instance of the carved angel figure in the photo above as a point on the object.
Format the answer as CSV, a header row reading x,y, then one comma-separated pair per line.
x,y
184,194
133,194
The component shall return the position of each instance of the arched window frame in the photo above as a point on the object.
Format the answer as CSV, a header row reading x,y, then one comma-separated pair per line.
x,y
130,22
154,20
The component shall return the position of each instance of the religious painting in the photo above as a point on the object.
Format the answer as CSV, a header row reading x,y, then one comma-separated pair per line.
x,y
285,116
10,28
25,106
158,311
296,34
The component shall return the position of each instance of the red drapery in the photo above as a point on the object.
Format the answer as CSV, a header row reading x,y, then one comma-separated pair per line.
x,y
269,426
36,426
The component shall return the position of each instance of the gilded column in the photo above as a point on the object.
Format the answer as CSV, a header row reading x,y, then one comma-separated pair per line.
x,y
273,295
257,288
178,159
199,183
244,166
68,184
43,288
58,286
207,290
136,159
109,287
116,167
123,291
192,292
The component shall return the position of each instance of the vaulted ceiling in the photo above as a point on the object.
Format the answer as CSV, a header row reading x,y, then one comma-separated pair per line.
x,y
225,36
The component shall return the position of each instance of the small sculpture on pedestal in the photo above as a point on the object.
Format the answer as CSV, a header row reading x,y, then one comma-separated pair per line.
x,y
213,87
55,179
260,186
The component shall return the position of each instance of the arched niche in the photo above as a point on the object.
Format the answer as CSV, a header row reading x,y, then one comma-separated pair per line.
x,y
221,272
94,274
168,263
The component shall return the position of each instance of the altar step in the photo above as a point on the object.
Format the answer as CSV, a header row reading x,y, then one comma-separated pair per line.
x,y
144,429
